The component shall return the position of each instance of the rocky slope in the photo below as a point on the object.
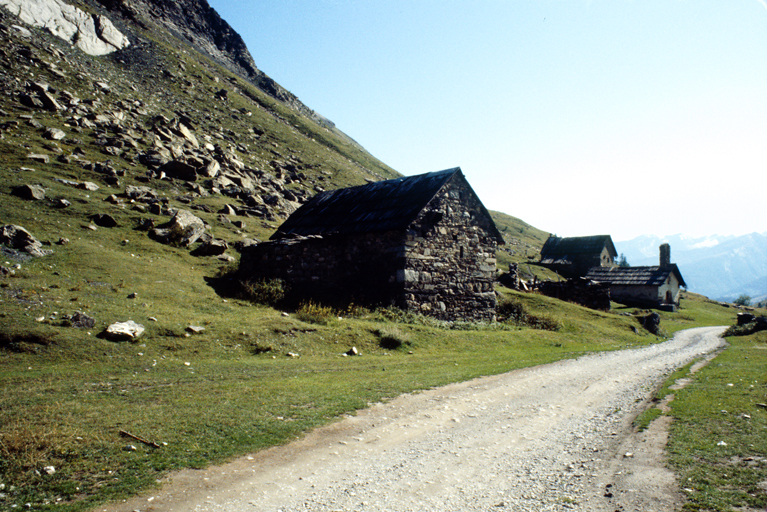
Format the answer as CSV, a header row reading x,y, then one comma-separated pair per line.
x,y
183,114
196,23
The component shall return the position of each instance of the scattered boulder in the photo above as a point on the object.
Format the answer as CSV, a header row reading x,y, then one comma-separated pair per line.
x,y
651,322
54,134
123,331
43,159
142,194
29,192
214,247
183,229
104,220
210,169
87,185
244,244
79,320
228,210
30,101
187,134
180,170
16,237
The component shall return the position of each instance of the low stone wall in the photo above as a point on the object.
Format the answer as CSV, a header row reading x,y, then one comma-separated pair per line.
x,y
580,291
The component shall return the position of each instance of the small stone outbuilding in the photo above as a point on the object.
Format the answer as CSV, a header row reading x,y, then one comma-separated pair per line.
x,y
575,256
423,243
654,287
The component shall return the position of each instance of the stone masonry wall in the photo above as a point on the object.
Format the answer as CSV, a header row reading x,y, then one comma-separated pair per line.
x,y
449,270
337,269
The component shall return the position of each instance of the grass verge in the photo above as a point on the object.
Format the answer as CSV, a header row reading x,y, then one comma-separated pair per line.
x,y
718,441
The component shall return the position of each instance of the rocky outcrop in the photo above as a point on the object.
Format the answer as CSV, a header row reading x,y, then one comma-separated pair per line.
x,y
196,22
93,34
16,237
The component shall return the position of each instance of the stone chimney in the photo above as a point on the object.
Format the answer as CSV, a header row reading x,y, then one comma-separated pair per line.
x,y
665,256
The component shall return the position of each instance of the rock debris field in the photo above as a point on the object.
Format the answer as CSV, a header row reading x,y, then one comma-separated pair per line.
x,y
549,438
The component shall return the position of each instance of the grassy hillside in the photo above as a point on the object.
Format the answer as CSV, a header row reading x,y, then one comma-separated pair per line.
x,y
523,247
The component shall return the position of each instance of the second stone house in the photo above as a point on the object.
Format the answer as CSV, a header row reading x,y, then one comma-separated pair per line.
x,y
424,243
575,256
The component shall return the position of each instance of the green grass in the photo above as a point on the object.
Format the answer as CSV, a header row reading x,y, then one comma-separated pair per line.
x,y
718,443
523,246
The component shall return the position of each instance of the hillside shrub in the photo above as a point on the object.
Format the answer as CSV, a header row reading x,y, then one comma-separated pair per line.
x,y
759,324
270,292
315,313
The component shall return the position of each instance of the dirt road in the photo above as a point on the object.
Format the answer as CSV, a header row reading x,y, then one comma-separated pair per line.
x,y
554,437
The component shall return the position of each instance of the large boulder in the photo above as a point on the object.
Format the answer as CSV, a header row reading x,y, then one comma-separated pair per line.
x,y
29,192
16,237
651,322
123,331
183,229
214,247
93,34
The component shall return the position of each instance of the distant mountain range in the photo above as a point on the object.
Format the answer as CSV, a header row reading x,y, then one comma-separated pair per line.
x,y
719,267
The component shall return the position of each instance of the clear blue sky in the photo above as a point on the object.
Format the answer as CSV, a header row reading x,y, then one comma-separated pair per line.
x,y
581,117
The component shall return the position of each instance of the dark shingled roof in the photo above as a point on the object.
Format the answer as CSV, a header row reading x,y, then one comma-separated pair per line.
x,y
379,206
635,276
557,248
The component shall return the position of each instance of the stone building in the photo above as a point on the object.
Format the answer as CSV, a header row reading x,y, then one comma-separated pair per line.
x,y
655,287
575,256
423,243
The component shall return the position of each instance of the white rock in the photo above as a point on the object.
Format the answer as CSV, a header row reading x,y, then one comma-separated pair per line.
x,y
95,35
124,331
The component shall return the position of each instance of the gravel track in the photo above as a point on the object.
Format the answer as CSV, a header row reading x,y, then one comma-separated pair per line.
x,y
547,438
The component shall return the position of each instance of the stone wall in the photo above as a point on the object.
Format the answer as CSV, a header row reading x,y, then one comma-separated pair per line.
x,y
443,265
450,265
340,269
580,291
